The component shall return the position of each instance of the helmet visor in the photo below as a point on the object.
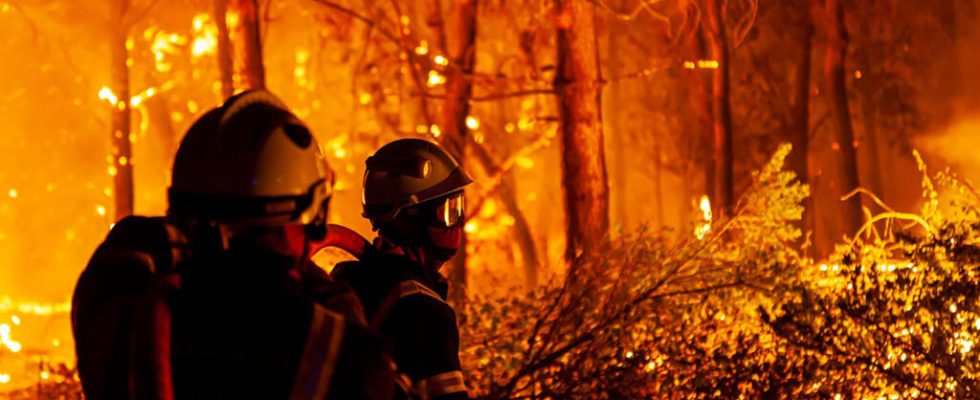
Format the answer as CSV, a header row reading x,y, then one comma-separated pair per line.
x,y
450,211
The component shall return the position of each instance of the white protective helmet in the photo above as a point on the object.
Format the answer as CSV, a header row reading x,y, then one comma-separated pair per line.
x,y
252,162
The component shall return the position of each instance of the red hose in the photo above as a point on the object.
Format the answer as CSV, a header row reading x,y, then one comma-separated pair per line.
x,y
343,238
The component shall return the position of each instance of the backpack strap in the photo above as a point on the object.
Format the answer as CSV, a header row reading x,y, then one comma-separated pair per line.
x,y
402,290
320,355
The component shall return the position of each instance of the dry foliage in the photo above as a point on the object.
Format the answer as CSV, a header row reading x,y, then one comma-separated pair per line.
x,y
741,313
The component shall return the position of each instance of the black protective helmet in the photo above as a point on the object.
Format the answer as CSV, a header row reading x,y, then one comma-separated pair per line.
x,y
251,161
405,173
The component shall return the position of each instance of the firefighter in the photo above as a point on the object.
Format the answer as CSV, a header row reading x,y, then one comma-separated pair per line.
x,y
218,299
413,196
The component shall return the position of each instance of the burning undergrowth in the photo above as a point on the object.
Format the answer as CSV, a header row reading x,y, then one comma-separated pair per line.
x,y
742,313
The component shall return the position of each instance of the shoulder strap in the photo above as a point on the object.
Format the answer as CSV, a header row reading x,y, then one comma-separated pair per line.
x,y
319,355
401,290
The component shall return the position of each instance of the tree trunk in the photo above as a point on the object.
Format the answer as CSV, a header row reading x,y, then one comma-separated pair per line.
x,y
525,238
225,68
577,82
875,183
835,76
799,158
122,154
721,127
620,121
658,186
869,107
455,109
696,125
247,43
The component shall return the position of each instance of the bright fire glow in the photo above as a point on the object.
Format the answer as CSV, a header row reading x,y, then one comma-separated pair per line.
x,y
165,44
704,227
33,308
205,35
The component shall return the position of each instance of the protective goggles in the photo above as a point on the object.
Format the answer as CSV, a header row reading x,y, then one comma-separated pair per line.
x,y
445,212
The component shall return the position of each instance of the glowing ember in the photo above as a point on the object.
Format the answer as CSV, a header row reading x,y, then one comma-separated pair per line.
x,y
106,94
440,60
708,64
422,49
472,122
435,79
701,64
365,98
6,341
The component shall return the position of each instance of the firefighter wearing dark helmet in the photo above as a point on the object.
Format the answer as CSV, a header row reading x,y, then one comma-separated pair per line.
x,y
218,298
413,195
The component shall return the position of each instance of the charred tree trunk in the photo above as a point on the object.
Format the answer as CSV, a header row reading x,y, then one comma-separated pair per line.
x,y
459,89
225,67
247,43
799,159
721,127
122,154
835,76
577,82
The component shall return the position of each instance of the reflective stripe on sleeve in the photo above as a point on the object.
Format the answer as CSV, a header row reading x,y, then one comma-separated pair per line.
x,y
441,385
319,355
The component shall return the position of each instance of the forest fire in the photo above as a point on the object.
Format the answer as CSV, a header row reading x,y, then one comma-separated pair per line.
x,y
673,199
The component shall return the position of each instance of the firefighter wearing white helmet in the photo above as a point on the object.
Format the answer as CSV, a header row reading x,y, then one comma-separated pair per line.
x,y
225,303
413,196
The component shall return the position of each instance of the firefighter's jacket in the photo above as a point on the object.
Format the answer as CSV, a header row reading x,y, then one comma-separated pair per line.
x,y
152,322
407,304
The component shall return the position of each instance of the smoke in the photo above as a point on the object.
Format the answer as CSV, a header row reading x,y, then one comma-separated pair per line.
x,y
954,91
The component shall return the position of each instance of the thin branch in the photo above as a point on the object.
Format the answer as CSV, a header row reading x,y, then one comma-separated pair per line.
x,y
629,16
498,171
892,215
366,20
416,77
519,93
868,193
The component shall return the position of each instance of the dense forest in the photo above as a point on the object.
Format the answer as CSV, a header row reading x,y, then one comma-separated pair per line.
x,y
673,198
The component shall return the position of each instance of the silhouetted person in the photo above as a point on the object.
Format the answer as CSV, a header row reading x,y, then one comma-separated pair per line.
x,y
413,195
218,299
